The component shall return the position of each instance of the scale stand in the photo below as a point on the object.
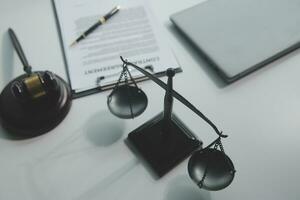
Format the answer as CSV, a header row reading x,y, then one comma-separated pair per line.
x,y
164,141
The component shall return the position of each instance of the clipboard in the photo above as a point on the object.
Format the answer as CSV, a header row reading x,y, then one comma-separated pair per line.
x,y
143,42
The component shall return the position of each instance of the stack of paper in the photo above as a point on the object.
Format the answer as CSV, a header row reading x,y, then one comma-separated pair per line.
x,y
132,33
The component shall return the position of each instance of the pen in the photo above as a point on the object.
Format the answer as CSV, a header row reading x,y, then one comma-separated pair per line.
x,y
101,21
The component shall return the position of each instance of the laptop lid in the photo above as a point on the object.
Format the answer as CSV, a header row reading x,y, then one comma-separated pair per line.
x,y
239,37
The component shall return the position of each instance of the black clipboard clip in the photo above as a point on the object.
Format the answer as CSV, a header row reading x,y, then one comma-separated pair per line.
x,y
100,88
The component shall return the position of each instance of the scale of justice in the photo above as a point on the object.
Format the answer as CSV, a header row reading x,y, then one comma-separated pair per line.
x,y
164,141
37,101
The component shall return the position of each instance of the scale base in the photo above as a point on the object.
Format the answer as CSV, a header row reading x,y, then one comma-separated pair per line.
x,y
163,148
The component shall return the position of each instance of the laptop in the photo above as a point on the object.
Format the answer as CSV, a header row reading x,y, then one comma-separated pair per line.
x,y
238,37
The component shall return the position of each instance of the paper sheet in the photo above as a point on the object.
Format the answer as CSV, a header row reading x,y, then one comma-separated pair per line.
x,y
132,33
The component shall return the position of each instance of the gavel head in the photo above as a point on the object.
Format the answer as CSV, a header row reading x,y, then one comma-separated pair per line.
x,y
35,86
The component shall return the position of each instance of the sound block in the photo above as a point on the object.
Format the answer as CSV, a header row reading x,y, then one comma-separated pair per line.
x,y
26,121
163,148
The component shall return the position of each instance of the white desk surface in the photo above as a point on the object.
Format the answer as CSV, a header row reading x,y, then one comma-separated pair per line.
x,y
85,156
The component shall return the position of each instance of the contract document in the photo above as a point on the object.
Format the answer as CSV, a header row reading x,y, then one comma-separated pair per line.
x,y
133,33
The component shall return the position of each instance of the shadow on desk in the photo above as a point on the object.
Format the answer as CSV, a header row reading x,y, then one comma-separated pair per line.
x,y
103,129
182,187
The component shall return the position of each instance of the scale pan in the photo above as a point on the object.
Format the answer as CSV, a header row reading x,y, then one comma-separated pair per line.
x,y
127,102
218,166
